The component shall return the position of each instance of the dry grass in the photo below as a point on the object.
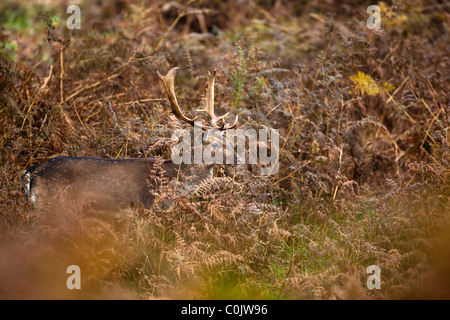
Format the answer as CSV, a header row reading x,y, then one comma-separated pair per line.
x,y
364,164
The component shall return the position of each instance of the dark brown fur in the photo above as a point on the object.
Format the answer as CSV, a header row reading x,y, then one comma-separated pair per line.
x,y
103,183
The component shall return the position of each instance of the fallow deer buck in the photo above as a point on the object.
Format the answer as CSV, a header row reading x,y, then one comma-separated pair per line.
x,y
109,184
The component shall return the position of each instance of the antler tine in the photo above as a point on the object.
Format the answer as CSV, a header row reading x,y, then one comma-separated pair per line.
x,y
231,126
209,108
168,82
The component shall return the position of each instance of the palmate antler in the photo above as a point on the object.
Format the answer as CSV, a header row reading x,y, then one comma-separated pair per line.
x,y
168,82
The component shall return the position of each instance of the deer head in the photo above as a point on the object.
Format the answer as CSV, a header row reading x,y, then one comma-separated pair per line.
x,y
217,122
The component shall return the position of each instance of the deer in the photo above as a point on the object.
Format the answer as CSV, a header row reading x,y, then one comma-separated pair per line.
x,y
108,184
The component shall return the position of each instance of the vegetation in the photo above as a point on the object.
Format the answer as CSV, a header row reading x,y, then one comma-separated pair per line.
x,y
364,176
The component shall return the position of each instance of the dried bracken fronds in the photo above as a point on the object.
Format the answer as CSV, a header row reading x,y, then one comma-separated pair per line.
x,y
364,162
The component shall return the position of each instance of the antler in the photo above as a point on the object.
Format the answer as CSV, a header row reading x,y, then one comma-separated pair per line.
x,y
168,82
